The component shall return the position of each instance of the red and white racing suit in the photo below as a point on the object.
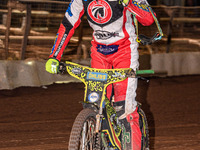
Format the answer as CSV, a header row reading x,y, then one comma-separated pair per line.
x,y
114,40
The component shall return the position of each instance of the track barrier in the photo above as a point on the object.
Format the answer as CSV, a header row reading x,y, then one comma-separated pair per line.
x,y
32,73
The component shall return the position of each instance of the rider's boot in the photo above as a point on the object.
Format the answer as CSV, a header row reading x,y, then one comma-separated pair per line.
x,y
131,133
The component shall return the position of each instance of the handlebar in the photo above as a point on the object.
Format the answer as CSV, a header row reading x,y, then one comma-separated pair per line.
x,y
131,73
62,67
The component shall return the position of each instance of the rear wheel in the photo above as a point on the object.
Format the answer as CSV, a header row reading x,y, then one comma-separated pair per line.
x,y
83,135
145,130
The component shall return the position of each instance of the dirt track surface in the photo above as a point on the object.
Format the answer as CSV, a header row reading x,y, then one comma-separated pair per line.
x,y
41,118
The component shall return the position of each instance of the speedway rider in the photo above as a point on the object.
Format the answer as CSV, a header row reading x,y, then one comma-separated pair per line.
x,y
113,46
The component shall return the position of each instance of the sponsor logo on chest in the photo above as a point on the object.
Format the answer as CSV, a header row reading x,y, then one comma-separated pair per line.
x,y
104,35
99,11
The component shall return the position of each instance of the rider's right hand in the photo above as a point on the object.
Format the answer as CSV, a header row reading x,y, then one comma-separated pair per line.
x,y
52,65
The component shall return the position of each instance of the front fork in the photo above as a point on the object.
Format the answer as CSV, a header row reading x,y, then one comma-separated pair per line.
x,y
98,130
98,122
99,118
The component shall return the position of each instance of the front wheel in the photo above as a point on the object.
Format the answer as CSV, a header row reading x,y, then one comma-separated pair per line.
x,y
83,136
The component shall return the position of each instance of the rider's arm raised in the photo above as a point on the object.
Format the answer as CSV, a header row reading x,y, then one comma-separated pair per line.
x,y
140,8
70,22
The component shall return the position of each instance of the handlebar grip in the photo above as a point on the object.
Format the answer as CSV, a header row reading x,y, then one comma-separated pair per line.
x,y
144,72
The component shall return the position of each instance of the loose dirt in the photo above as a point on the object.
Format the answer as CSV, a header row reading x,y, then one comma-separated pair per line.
x,y
40,118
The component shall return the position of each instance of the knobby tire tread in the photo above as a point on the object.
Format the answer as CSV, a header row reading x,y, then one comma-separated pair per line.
x,y
77,127
145,147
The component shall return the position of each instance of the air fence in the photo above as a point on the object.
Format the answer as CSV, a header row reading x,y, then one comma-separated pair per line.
x,y
181,41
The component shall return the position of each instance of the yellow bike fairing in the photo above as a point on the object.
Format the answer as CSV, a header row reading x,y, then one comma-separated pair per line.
x,y
96,80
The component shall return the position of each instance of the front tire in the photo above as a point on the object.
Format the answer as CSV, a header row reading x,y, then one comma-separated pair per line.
x,y
82,136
